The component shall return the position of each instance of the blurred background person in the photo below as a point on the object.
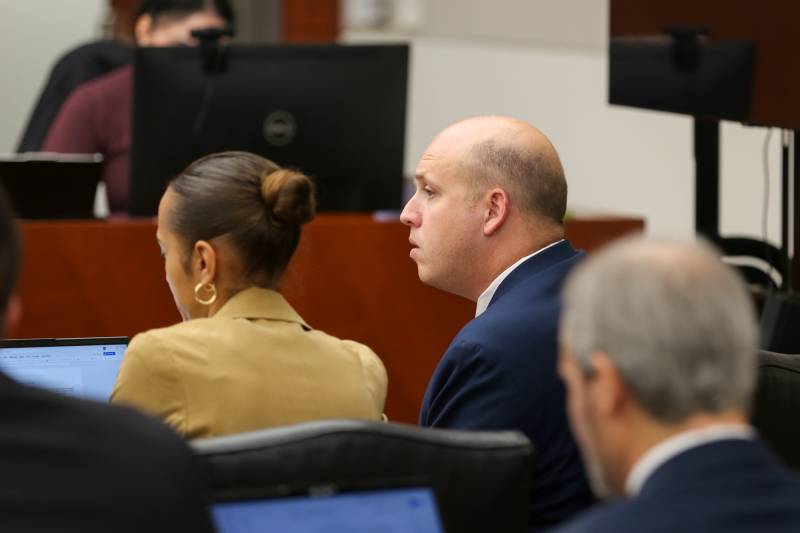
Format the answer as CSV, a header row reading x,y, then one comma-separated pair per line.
x,y
243,359
96,117
79,65
659,354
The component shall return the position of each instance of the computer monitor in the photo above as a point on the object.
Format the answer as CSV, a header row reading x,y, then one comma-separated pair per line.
x,y
335,112
51,186
82,367
710,80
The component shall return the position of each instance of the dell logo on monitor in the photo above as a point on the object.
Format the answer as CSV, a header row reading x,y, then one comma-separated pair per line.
x,y
280,128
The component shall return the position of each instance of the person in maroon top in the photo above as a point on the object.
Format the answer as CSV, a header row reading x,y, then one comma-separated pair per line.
x,y
96,118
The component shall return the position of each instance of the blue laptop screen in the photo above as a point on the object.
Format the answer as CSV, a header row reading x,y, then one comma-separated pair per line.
x,y
86,371
407,510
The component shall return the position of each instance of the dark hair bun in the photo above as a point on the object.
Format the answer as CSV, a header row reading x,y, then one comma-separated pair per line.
x,y
288,196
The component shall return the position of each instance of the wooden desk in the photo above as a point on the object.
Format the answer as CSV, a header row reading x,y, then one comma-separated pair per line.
x,y
351,277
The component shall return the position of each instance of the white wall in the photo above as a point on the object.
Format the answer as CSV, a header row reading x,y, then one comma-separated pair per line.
x,y
33,34
617,159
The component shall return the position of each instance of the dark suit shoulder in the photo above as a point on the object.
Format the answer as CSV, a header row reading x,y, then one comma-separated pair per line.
x,y
731,486
633,517
517,331
93,467
49,412
599,518
525,309
512,324
753,511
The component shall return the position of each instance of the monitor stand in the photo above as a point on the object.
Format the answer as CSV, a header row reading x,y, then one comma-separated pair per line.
x,y
779,303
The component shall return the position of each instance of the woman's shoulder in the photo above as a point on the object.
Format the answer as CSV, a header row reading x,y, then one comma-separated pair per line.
x,y
370,361
192,332
363,351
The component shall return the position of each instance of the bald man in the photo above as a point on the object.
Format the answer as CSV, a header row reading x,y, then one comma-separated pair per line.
x,y
487,224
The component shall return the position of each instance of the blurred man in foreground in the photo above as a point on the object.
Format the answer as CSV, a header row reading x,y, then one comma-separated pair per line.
x,y
658,351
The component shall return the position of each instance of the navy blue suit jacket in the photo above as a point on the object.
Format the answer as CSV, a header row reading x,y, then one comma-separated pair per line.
x,y
500,373
731,486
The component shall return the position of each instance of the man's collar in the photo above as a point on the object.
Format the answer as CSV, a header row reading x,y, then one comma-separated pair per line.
x,y
486,297
661,453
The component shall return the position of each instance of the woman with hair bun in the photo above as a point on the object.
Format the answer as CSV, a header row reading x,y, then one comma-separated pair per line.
x,y
243,359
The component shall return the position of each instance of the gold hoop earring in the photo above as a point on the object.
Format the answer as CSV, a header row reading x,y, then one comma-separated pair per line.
x,y
209,287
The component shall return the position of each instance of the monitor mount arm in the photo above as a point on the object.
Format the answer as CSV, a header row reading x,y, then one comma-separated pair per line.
x,y
213,50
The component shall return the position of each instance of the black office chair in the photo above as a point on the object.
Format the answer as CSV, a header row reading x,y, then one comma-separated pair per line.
x,y
482,480
776,412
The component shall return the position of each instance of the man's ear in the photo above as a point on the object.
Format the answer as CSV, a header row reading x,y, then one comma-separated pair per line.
x,y
608,390
204,262
496,210
142,28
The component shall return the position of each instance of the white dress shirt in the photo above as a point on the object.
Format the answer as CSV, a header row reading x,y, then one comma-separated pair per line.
x,y
674,446
486,296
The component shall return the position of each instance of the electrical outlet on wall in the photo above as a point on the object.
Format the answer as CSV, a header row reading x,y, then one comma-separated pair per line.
x,y
366,14
406,15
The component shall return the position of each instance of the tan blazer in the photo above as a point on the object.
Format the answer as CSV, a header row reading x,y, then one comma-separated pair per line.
x,y
254,364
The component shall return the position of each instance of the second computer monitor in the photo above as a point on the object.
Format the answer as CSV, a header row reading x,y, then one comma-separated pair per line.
x,y
334,112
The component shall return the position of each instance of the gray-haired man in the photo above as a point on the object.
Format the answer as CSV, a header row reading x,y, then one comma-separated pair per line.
x,y
658,351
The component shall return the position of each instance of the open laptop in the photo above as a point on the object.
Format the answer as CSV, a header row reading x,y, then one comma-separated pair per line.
x,y
391,509
86,368
51,186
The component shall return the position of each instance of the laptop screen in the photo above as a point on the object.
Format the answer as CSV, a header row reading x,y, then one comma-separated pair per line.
x,y
86,368
404,510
